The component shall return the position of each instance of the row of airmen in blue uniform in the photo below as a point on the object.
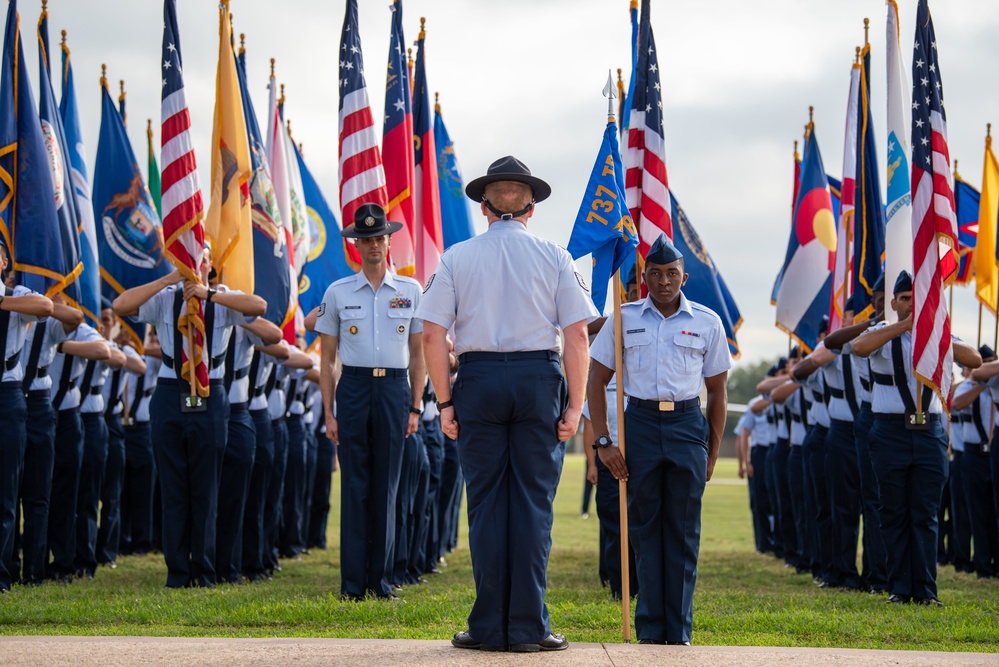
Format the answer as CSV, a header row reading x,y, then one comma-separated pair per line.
x,y
839,435
96,429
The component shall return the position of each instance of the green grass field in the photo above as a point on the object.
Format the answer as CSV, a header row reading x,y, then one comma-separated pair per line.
x,y
742,598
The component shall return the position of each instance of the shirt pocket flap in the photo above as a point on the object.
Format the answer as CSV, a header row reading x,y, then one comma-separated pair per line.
x,y
352,314
688,341
401,313
637,338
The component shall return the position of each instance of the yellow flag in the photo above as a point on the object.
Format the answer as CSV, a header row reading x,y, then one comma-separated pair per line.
x,y
986,269
228,222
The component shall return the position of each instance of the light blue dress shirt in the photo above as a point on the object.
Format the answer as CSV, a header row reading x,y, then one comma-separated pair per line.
x,y
506,291
54,334
158,311
815,385
764,433
887,400
373,327
665,358
75,365
138,406
17,329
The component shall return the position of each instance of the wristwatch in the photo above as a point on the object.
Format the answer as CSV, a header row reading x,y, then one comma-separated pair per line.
x,y
211,295
415,411
444,404
601,442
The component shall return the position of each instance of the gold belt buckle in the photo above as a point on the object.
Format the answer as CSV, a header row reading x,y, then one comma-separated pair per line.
x,y
378,372
666,406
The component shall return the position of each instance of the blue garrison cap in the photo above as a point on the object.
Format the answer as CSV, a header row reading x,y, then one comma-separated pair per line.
x,y
663,251
795,352
824,325
632,275
848,305
879,284
903,283
772,371
986,352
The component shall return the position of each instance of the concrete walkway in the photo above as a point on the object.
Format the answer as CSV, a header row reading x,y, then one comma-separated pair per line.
x,y
154,651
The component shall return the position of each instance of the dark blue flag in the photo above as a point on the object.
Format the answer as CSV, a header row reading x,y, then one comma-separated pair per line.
x,y
869,211
272,277
603,225
966,205
129,240
326,263
65,202
28,219
704,284
90,279
456,219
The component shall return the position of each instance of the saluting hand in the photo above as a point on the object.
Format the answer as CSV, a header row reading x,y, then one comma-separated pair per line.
x,y
449,422
611,457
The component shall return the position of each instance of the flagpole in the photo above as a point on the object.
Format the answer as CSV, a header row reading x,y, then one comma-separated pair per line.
x,y
619,398
979,324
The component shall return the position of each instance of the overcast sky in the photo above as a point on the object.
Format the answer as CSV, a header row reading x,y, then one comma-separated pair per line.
x,y
524,77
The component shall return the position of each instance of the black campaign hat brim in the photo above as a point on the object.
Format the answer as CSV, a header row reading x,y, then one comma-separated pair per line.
x,y
353,232
476,188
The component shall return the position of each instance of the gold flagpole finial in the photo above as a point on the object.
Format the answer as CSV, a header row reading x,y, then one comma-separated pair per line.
x,y
272,68
423,28
242,43
104,76
988,129
795,149
867,28
121,88
281,98
149,128
45,6
301,148
619,77
287,124
856,58
811,121
437,102
64,38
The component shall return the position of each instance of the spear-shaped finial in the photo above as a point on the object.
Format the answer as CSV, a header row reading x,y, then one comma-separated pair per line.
x,y
867,28
610,92
104,75
64,38
272,68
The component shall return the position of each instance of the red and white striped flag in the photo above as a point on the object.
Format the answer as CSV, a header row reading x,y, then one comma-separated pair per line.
x,y
934,225
646,184
844,233
183,207
362,179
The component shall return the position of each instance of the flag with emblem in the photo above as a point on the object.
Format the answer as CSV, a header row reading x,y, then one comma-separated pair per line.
x,y
29,222
704,284
271,262
129,239
76,163
645,157
183,207
845,230
869,210
934,226
806,285
362,179
62,180
456,219
227,224
603,226
898,203
429,237
397,149
326,262
794,199
967,201
986,268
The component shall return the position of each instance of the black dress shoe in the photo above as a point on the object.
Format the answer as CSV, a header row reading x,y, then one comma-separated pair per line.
x,y
552,642
826,584
929,602
652,641
898,599
678,643
464,640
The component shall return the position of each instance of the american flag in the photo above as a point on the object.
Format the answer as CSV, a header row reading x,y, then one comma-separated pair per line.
x,y
183,207
844,233
933,217
362,180
646,186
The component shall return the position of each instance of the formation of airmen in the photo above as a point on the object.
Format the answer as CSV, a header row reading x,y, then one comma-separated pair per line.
x,y
101,456
845,433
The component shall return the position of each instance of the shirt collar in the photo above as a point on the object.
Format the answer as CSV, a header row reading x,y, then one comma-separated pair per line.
x,y
507,226
647,305
361,280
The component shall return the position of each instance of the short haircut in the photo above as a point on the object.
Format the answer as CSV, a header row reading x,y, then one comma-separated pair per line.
x,y
509,196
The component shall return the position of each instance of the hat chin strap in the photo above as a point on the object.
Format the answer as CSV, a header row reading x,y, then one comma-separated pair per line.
x,y
507,216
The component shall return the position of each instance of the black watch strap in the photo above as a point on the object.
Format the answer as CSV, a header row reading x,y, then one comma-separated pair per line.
x,y
601,442
415,411
445,404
